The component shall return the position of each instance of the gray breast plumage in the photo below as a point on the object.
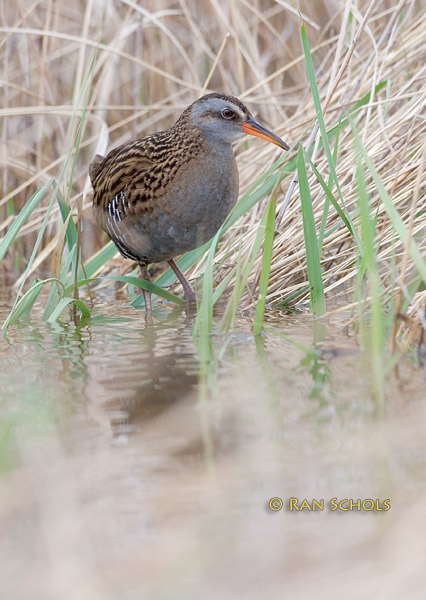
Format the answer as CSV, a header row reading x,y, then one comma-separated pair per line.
x,y
190,213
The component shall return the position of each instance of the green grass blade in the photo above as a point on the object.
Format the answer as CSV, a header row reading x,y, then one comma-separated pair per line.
x,y
204,320
288,300
320,117
327,200
397,223
332,199
373,341
266,267
68,262
243,270
328,189
33,254
240,280
52,302
221,287
80,284
317,299
63,303
71,232
24,305
15,227
54,295
146,285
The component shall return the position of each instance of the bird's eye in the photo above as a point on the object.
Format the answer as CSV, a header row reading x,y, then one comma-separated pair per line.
x,y
227,113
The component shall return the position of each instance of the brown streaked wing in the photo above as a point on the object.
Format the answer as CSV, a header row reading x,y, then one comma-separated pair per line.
x,y
120,166
118,171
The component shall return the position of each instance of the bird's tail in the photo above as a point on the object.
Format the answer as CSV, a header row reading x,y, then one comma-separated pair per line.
x,y
94,167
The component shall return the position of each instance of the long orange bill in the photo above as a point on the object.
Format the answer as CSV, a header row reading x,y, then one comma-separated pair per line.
x,y
253,127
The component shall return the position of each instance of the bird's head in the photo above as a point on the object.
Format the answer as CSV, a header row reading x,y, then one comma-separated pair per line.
x,y
225,118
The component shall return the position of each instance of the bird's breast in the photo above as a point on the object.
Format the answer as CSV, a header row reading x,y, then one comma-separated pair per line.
x,y
199,200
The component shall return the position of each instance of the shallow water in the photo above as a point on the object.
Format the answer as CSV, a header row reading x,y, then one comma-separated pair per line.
x,y
131,469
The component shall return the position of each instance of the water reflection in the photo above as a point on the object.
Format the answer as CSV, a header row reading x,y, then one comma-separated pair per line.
x,y
144,376
128,450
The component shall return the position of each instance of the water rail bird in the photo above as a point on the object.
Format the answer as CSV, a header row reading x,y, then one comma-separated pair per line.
x,y
169,192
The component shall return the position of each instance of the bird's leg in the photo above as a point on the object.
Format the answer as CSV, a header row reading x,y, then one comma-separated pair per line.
x,y
147,296
188,290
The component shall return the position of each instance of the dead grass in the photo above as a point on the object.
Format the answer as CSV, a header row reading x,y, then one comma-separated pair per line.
x,y
153,60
